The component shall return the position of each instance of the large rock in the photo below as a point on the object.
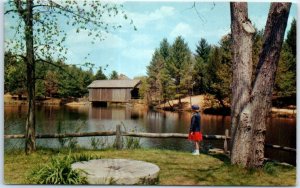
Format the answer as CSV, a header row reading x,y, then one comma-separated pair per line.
x,y
118,171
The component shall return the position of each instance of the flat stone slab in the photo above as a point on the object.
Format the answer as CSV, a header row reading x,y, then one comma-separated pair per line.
x,y
118,171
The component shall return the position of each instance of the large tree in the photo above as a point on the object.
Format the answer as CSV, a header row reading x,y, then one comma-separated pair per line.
x,y
179,63
251,101
40,36
153,72
159,81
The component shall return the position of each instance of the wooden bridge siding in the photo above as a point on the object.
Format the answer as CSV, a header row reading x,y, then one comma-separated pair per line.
x,y
118,95
106,94
110,95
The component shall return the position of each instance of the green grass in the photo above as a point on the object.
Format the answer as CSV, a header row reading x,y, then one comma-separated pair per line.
x,y
176,168
59,170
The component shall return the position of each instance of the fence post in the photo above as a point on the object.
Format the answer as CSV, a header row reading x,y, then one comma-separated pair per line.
x,y
118,137
226,141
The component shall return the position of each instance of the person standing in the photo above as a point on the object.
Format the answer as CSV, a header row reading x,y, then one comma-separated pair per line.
x,y
195,134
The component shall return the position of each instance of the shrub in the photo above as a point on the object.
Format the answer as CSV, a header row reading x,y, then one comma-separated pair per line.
x,y
99,143
132,143
59,171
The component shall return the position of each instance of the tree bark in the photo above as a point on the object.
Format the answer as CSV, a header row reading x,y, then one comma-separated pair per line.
x,y
265,77
30,144
251,104
242,31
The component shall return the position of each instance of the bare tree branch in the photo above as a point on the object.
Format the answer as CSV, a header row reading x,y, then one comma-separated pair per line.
x,y
196,10
9,11
16,56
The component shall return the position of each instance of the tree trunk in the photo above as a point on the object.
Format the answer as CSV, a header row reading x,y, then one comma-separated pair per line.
x,y
251,104
265,78
30,145
242,32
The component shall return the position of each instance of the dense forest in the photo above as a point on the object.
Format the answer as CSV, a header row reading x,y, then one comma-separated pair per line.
x,y
53,78
175,72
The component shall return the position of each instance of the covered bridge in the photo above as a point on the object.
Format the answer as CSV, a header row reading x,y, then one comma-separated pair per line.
x,y
113,90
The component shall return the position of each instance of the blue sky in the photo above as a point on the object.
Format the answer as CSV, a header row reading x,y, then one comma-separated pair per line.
x,y
129,52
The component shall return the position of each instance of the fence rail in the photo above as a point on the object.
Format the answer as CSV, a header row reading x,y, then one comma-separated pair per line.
x,y
118,133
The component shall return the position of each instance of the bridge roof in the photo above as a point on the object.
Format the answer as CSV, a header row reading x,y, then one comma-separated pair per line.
x,y
114,84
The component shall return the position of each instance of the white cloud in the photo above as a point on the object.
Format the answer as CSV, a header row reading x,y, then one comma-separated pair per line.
x,y
182,29
140,20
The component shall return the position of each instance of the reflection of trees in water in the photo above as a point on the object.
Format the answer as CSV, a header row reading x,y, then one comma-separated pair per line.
x,y
281,131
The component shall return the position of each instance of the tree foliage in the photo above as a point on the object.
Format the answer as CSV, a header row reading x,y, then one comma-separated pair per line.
x,y
40,37
14,75
159,83
100,75
209,70
113,75
52,81
179,65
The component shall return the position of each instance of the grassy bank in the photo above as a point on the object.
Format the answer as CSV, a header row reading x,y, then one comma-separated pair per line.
x,y
177,168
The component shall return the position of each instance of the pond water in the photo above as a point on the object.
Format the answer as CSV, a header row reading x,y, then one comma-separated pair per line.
x,y
54,119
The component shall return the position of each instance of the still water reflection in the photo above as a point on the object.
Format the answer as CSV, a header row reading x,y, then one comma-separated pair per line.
x,y
53,119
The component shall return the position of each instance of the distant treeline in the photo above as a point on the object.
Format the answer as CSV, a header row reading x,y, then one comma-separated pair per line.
x,y
53,78
175,71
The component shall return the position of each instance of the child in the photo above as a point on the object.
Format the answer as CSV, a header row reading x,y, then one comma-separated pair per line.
x,y
195,134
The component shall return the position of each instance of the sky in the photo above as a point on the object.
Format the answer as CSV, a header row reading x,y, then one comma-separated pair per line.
x,y
129,52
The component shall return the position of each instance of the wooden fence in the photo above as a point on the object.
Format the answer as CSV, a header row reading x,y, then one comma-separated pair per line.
x,y
118,133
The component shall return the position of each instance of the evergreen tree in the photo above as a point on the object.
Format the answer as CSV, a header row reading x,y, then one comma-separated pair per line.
x,y
201,60
218,70
291,39
164,49
159,82
113,75
100,75
153,70
180,61
202,50
285,81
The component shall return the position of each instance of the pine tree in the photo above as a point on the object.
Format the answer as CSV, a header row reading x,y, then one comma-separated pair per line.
x,y
113,75
180,60
100,75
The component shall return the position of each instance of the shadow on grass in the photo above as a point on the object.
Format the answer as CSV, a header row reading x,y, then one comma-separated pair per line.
x,y
222,157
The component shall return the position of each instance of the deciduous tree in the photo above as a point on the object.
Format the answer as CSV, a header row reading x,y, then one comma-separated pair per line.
x,y
251,101
41,36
